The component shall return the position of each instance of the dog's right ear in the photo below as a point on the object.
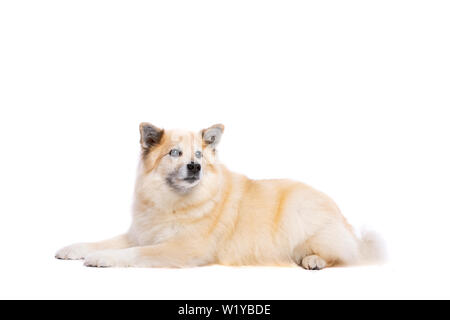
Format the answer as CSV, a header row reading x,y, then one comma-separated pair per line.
x,y
150,135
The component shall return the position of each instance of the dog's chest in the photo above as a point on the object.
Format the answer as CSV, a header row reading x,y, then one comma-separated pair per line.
x,y
148,228
152,226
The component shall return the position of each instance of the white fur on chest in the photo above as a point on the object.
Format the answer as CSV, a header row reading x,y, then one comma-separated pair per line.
x,y
148,230
153,226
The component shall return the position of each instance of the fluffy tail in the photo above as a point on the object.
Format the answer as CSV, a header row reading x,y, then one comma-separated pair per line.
x,y
371,248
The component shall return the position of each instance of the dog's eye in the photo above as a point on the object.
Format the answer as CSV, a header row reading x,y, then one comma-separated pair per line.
x,y
198,154
175,153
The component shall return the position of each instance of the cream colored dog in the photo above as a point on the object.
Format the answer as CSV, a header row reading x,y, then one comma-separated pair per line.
x,y
189,210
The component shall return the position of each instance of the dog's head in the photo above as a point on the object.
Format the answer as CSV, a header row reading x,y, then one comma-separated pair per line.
x,y
179,158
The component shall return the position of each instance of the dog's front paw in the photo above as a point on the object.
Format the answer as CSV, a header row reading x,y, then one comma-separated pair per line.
x,y
313,262
111,258
76,251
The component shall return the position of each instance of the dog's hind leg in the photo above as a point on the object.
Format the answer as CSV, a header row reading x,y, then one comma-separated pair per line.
x,y
334,244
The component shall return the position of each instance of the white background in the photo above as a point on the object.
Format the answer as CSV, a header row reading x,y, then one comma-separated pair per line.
x,y
351,97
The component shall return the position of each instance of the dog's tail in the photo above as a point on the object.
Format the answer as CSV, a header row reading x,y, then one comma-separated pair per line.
x,y
372,248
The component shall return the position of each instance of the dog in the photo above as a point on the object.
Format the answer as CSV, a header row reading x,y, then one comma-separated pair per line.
x,y
190,210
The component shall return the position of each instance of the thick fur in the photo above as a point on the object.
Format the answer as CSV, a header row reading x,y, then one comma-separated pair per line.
x,y
223,218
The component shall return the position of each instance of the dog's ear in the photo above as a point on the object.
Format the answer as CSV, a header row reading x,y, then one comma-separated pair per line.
x,y
211,136
150,135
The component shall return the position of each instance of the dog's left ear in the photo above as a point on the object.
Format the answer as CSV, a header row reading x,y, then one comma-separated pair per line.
x,y
211,136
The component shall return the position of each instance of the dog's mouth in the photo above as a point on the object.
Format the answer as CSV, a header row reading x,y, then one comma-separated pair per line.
x,y
192,179
182,184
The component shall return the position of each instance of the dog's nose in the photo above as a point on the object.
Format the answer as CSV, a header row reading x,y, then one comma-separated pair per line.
x,y
194,167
